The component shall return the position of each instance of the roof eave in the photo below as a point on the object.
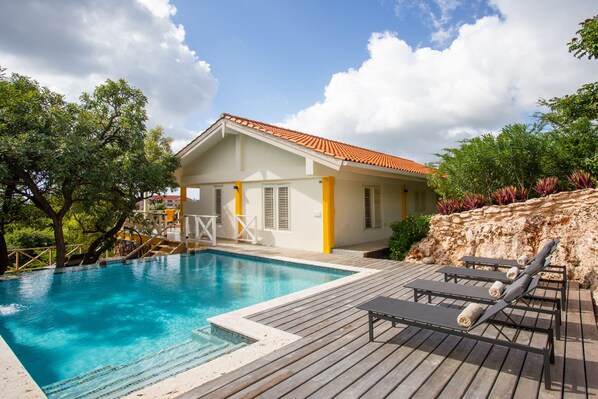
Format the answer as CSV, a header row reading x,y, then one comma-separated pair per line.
x,y
382,169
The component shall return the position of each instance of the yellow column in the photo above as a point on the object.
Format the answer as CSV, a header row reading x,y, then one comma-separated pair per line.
x,y
238,201
404,201
328,213
182,199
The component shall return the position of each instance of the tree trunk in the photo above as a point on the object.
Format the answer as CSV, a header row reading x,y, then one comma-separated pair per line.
x,y
59,242
103,242
3,252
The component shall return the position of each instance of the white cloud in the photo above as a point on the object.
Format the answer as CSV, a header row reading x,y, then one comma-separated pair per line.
x,y
414,102
73,45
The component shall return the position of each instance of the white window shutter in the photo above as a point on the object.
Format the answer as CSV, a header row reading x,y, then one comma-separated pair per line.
x,y
367,199
269,208
377,207
218,205
283,208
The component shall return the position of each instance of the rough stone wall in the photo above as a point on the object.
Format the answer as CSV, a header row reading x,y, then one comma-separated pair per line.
x,y
522,228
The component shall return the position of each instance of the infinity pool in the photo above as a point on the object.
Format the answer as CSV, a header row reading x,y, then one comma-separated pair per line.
x,y
71,327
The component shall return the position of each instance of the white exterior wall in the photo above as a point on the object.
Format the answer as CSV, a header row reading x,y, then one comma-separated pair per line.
x,y
350,210
305,214
429,203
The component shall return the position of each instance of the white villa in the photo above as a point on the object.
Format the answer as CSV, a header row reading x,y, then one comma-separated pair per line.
x,y
295,190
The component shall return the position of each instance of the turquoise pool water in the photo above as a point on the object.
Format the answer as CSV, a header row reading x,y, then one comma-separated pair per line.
x,y
66,325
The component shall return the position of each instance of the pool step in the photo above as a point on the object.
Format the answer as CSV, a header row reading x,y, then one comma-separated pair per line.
x,y
110,382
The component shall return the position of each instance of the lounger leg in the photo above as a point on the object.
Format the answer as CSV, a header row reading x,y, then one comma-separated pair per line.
x,y
429,298
551,343
547,379
371,324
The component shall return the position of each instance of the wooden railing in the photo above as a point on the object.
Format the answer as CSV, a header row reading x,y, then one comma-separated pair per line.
x,y
246,228
200,229
149,223
25,259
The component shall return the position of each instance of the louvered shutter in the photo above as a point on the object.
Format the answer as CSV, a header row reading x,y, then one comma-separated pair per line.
x,y
283,208
218,205
269,208
367,198
377,208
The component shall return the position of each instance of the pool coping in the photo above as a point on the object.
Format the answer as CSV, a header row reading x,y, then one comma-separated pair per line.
x,y
268,339
17,381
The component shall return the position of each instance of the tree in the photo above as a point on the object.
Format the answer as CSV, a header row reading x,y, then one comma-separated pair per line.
x,y
574,118
34,126
488,162
90,156
586,42
573,138
134,176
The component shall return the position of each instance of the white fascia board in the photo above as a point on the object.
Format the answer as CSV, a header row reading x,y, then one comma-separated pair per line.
x,y
289,146
199,140
382,171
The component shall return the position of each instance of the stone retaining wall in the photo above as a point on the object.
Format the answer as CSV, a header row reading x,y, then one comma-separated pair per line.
x,y
522,228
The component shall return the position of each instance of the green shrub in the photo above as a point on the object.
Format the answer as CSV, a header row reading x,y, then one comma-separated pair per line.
x,y
28,237
406,233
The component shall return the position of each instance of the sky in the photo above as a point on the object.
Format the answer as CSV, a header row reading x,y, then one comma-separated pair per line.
x,y
404,77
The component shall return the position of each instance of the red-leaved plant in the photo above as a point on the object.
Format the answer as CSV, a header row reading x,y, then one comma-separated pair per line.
x,y
450,205
547,186
473,201
521,194
505,195
580,180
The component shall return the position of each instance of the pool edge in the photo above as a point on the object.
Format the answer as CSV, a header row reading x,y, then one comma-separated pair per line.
x,y
16,381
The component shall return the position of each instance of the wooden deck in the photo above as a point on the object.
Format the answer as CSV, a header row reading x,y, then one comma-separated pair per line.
x,y
335,359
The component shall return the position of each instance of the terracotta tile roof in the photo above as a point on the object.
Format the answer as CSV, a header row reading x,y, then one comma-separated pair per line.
x,y
335,149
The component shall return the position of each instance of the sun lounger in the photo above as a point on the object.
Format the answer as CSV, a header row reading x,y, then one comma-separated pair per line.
x,y
444,320
479,294
498,263
540,264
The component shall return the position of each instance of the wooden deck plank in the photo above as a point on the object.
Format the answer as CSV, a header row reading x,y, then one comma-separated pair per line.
x,y
532,377
574,382
383,349
438,380
396,361
590,342
285,317
420,374
335,358
513,367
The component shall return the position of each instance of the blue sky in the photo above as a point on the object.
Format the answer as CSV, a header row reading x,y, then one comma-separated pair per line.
x,y
405,77
273,58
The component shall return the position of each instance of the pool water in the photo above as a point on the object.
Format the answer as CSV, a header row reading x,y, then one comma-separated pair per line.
x,y
69,325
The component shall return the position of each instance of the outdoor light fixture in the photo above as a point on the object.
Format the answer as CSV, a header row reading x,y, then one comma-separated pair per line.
x,y
236,187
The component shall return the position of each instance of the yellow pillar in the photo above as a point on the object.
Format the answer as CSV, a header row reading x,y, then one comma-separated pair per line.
x,y
328,213
404,201
238,201
182,199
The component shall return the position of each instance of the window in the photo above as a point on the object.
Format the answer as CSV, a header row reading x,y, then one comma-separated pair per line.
x,y
276,208
420,201
218,204
372,207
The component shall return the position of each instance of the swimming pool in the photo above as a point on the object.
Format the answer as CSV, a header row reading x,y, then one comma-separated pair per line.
x,y
73,327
